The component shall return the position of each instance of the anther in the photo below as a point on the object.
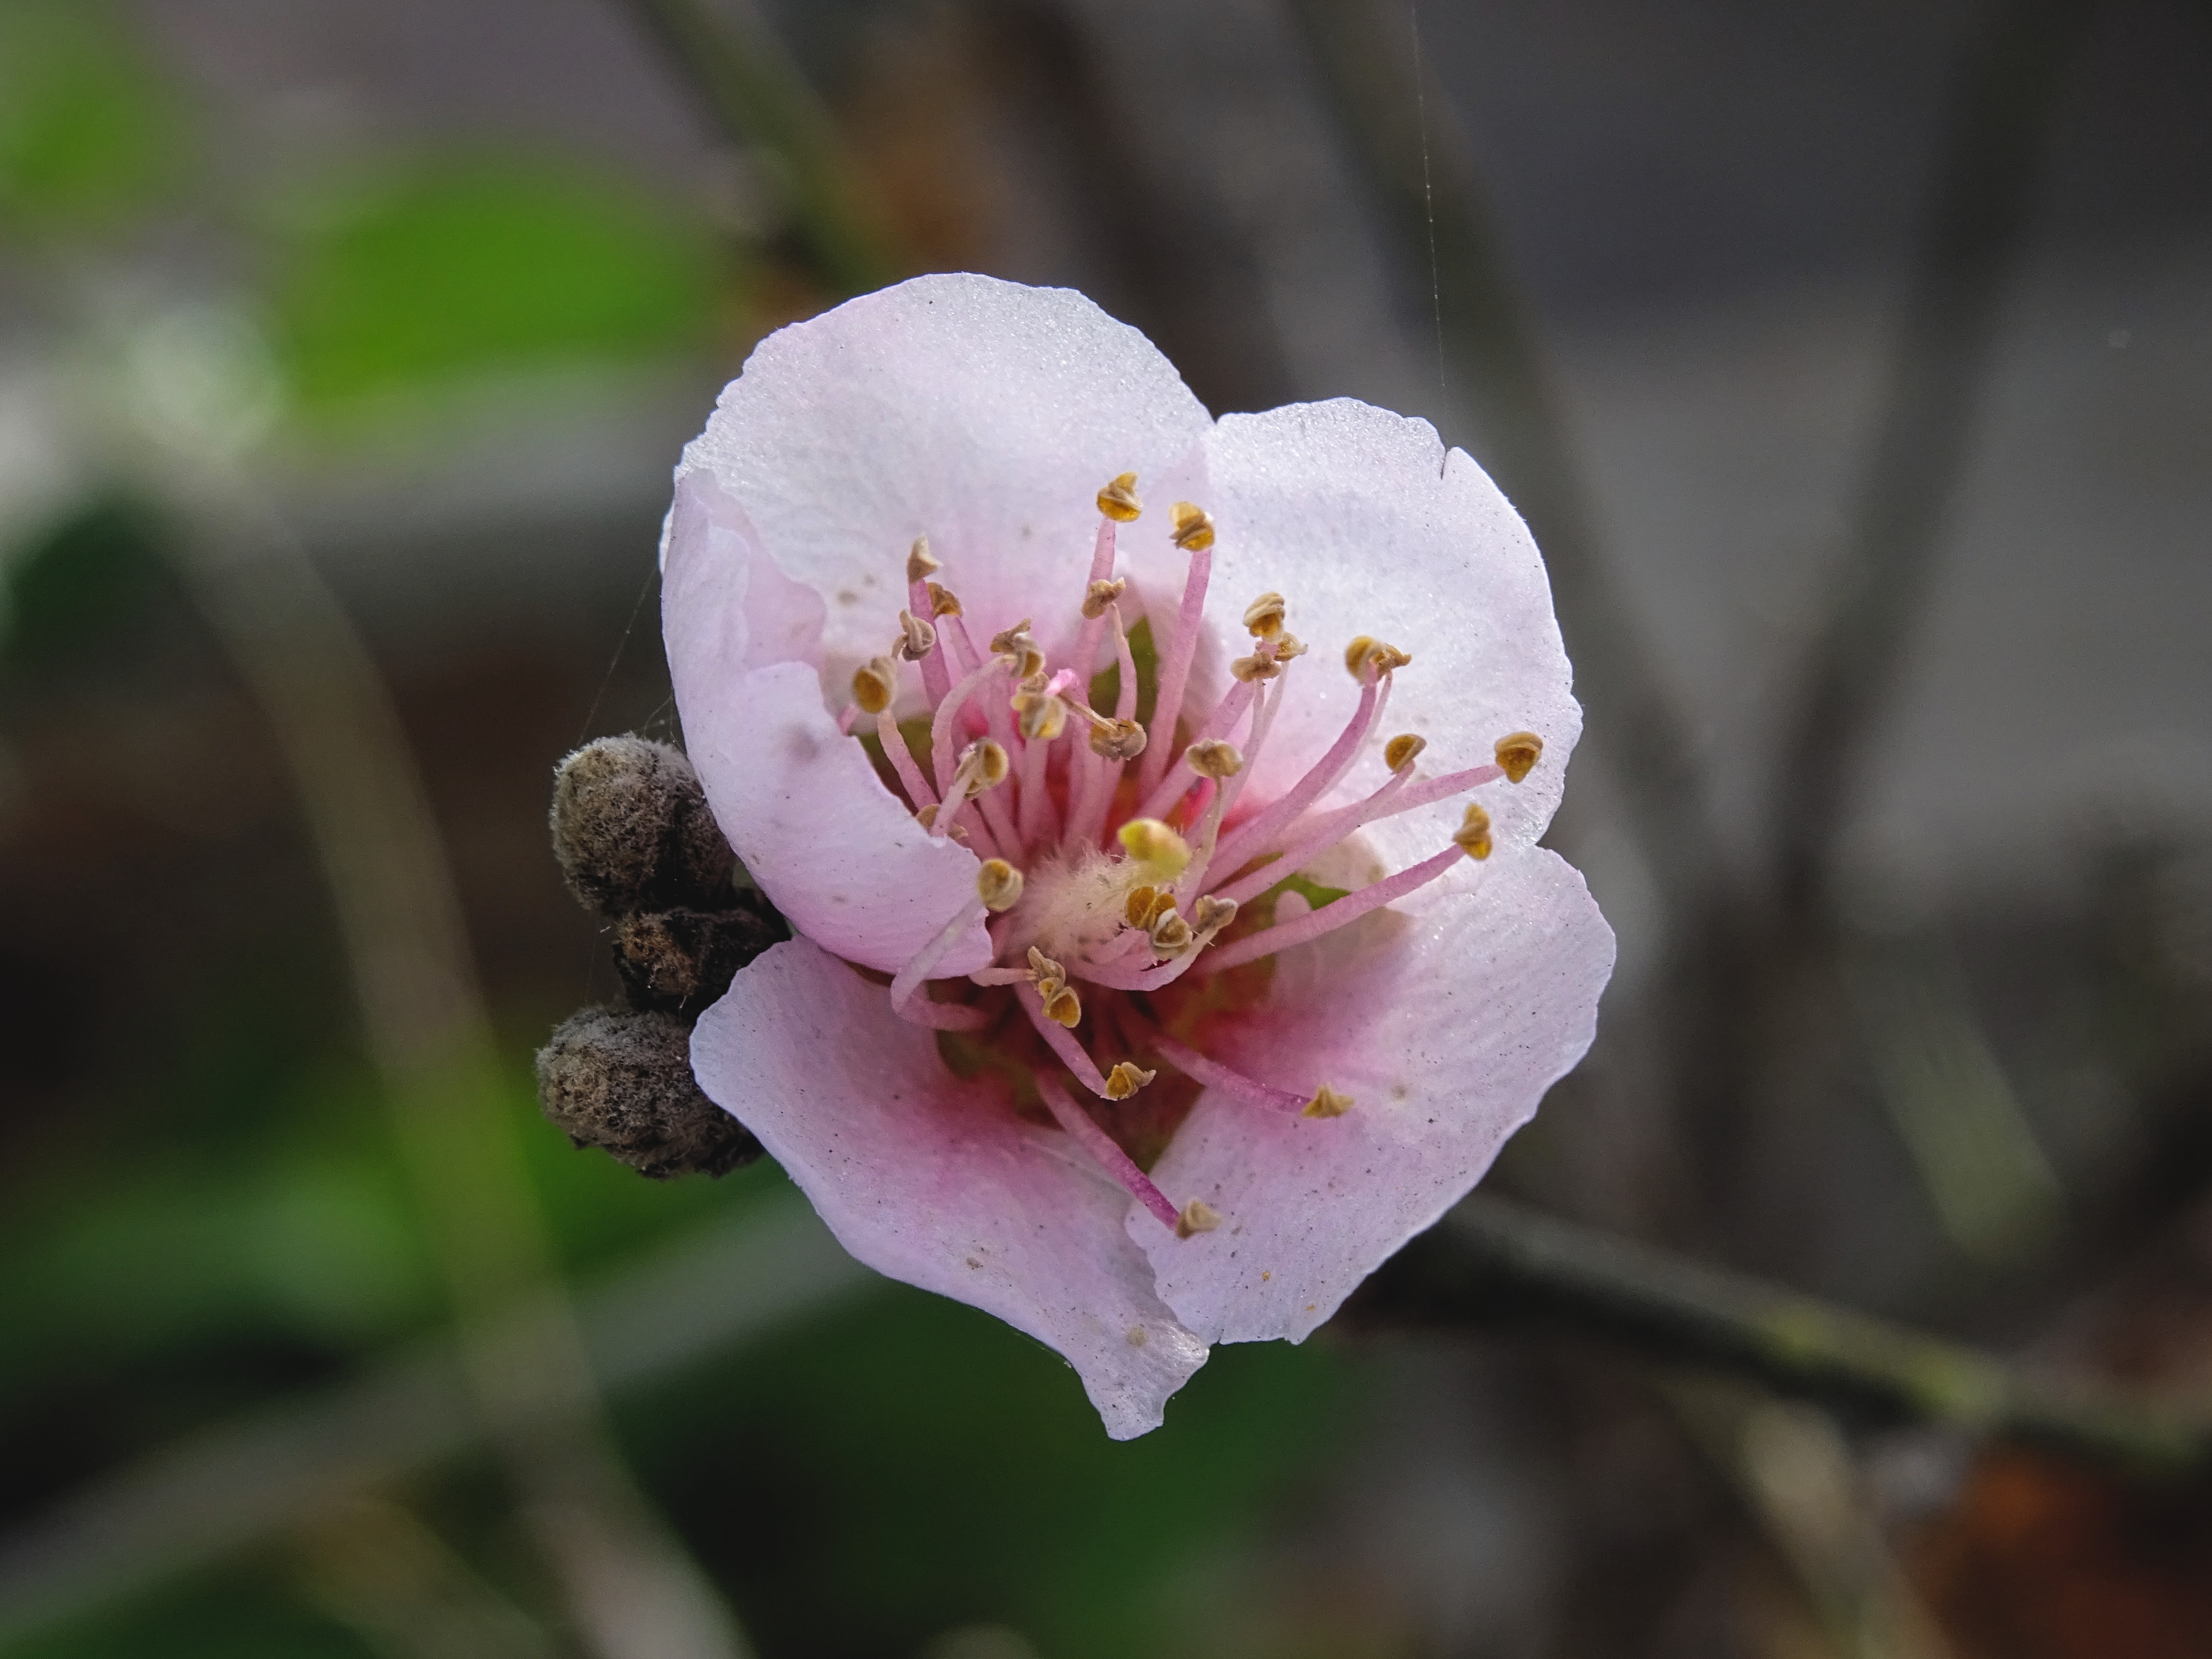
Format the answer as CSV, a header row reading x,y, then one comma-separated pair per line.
x,y
917,639
1043,717
1402,750
1170,933
1518,753
1064,1007
1146,905
989,761
1099,595
928,819
1197,1217
999,884
1117,740
1473,835
1118,501
921,562
873,682
1366,652
1214,757
1285,646
1210,914
943,601
1151,843
1255,667
1194,527
1124,1079
1049,975
1263,617
1327,1102
1019,647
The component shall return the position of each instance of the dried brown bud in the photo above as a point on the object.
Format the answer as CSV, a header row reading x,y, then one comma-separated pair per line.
x,y
632,831
623,1081
682,961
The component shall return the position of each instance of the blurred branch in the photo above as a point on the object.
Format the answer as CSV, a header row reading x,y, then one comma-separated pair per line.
x,y
633,1592
755,92
1491,1260
1998,131
281,1469
1434,200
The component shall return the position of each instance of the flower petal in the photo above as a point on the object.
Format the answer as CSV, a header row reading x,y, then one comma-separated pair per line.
x,y
1364,523
982,414
1445,1021
927,1179
835,850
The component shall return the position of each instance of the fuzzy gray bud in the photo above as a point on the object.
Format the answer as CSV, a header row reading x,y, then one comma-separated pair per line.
x,y
623,1081
633,832
681,960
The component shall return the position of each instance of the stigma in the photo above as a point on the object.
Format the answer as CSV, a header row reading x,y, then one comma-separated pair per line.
x,y
1121,858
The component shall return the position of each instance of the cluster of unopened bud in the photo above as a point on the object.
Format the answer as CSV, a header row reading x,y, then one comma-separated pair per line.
x,y
635,837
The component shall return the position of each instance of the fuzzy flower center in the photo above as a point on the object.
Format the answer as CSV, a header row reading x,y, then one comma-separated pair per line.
x,y
1135,888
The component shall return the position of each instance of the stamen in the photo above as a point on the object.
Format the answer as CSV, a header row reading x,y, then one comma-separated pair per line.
x,y
919,794
1330,917
1099,596
920,563
983,765
1107,1152
874,683
1245,670
1402,750
1263,617
920,640
1118,501
1170,789
1473,835
1310,837
1250,837
1193,532
1198,1216
997,886
1214,757
1327,1102
1061,1039
1518,754
917,639
1201,1068
1366,655
940,726
1116,740
1126,1079
943,601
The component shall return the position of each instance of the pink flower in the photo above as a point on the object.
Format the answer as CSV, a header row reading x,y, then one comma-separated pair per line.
x,y
1054,1037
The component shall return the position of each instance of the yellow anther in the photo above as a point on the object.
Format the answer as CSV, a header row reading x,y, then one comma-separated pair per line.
x,y
1050,976
985,762
1099,595
921,562
1198,1216
1118,740
1256,668
1171,932
1366,652
1118,501
1194,527
1139,908
1210,914
1263,617
1402,750
1124,1079
943,601
1042,718
1155,846
874,683
1064,1007
1285,646
1019,647
1518,753
1473,835
1327,1102
917,639
1214,757
999,884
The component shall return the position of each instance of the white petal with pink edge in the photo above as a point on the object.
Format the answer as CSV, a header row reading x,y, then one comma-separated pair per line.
x,y
833,849
1444,1019
929,1180
982,414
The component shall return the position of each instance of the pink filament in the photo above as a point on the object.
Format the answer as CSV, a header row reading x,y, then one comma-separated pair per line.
x,y
1330,917
1176,680
1103,1147
919,794
1317,834
1062,1040
1249,836
1232,1082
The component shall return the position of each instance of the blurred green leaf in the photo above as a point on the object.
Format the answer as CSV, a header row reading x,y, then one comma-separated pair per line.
x,y
96,568
465,268
88,128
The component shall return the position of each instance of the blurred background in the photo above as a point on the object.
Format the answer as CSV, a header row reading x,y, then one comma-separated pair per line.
x,y
1852,360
